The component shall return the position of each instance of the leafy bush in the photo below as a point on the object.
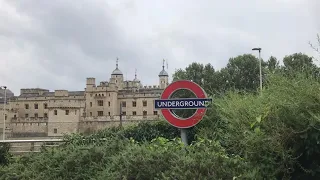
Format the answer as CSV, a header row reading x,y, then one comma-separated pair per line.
x,y
68,162
144,131
277,132
128,159
4,153
147,131
164,159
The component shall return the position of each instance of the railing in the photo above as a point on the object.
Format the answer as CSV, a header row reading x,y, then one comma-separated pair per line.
x,y
33,145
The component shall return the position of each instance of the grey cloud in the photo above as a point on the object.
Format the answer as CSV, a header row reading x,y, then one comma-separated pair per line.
x,y
88,26
72,42
57,44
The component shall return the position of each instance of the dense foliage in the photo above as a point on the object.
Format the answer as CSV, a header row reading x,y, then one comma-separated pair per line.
x,y
241,73
118,156
4,155
244,135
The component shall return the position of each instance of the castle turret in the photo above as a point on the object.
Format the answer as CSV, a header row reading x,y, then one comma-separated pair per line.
x,y
136,81
117,77
163,78
91,82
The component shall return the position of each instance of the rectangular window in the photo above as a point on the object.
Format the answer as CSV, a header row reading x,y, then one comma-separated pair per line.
x,y
55,112
155,112
55,130
145,103
123,104
75,112
45,106
109,113
100,113
26,106
90,113
109,103
67,112
5,117
100,102
36,106
124,113
36,115
134,113
134,104
45,115
144,113
26,115
90,104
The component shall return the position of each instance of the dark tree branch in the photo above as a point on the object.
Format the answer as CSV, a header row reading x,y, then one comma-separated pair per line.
x,y
316,47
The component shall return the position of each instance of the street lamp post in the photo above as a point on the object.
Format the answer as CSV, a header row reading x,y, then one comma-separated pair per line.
x,y
259,49
4,111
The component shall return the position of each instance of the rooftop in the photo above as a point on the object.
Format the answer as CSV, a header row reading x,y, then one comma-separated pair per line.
x,y
8,93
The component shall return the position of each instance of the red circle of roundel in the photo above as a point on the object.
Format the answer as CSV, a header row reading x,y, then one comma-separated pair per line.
x,y
198,115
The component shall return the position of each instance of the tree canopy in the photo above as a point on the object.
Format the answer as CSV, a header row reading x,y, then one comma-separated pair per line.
x,y
242,72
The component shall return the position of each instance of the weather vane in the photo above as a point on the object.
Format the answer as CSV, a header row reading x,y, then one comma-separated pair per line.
x,y
117,62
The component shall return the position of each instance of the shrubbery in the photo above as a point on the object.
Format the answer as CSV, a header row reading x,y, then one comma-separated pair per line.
x,y
4,153
244,136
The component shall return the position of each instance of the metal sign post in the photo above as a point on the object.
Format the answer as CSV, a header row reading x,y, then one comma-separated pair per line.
x,y
166,105
184,136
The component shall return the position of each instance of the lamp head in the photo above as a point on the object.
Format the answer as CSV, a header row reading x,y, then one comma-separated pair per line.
x,y
256,49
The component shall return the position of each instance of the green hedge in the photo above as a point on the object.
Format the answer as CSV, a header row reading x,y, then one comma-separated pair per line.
x,y
4,153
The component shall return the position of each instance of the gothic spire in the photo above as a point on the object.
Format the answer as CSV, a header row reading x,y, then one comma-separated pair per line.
x,y
135,73
163,72
163,64
117,63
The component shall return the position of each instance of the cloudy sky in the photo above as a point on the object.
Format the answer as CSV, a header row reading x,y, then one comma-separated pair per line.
x,y
56,44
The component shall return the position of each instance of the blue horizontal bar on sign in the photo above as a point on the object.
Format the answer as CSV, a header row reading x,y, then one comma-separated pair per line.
x,y
188,103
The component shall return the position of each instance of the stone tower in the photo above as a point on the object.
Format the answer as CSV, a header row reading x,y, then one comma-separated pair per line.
x,y
117,77
136,81
163,78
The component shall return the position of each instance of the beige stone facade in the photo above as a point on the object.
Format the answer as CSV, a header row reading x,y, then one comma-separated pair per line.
x,y
40,113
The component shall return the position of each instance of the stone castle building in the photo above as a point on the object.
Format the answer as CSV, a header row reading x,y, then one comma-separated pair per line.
x,y
40,113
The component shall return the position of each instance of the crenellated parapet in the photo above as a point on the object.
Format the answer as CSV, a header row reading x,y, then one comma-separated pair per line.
x,y
29,120
35,91
53,104
147,92
61,93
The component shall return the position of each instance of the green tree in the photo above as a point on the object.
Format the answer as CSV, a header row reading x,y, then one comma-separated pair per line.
x,y
242,73
194,72
204,75
223,82
210,81
273,64
300,63
179,74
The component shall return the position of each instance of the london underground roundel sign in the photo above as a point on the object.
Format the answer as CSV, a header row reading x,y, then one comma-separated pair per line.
x,y
166,104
